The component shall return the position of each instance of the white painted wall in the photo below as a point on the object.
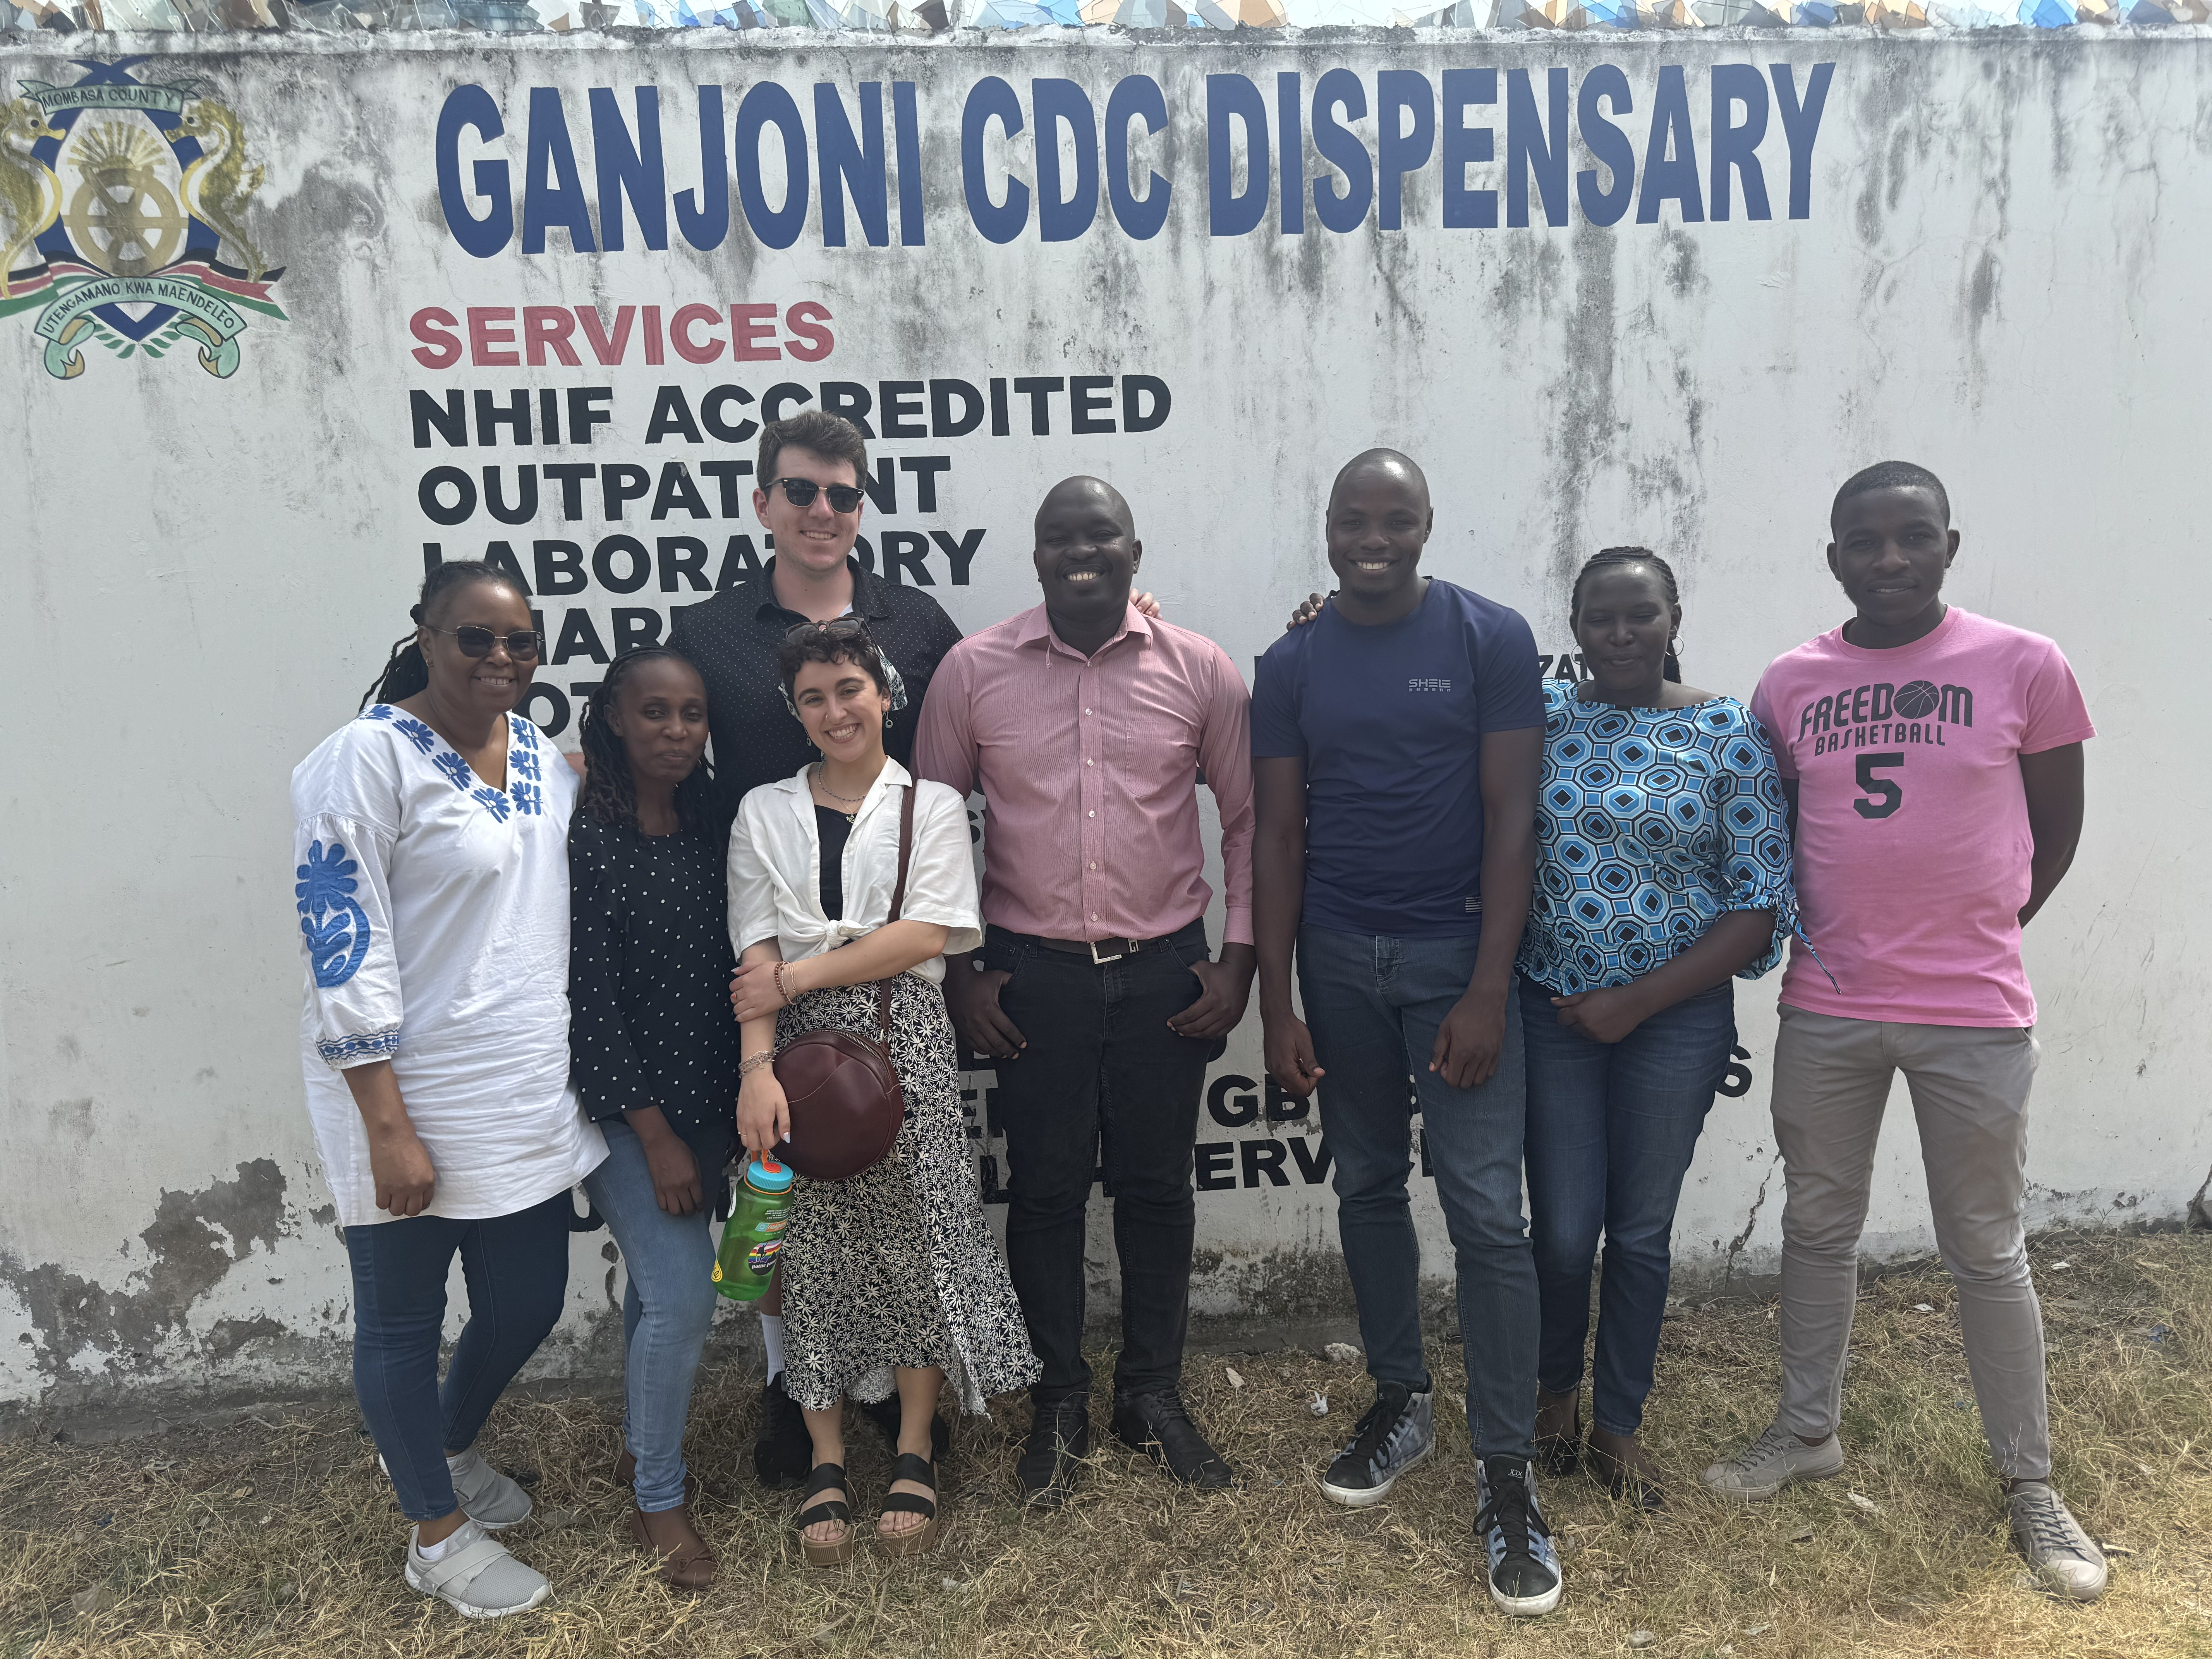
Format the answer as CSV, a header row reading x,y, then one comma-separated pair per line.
x,y
2001,275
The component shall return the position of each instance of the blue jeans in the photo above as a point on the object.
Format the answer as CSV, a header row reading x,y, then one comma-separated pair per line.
x,y
517,1270
1611,1130
666,1308
1373,1004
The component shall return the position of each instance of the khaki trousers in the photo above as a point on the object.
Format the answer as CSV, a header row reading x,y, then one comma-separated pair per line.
x,y
1970,1086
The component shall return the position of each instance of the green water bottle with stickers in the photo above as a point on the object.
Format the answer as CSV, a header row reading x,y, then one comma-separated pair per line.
x,y
752,1238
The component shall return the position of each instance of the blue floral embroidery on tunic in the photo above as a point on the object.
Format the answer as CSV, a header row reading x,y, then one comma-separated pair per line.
x,y
527,801
336,926
416,732
338,1052
377,711
491,800
455,768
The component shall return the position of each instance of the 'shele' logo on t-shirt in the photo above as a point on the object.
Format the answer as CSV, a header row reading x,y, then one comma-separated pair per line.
x,y
1428,685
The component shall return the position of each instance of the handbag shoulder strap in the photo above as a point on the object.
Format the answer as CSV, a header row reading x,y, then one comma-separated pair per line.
x,y
898,904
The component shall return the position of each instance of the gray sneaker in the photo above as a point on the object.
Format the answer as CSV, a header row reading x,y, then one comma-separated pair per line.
x,y
1771,1462
2051,1538
1398,1431
487,1497
476,1576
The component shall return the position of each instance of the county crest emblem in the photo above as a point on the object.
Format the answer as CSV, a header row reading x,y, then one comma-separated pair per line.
x,y
119,199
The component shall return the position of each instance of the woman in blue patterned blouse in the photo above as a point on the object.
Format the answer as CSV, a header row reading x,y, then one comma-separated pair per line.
x,y
1662,874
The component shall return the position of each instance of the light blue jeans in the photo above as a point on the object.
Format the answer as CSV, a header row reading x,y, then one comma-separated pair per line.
x,y
666,1310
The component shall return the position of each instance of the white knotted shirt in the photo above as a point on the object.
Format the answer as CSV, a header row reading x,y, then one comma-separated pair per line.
x,y
775,869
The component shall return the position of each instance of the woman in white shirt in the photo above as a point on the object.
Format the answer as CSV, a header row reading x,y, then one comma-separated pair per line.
x,y
890,1280
432,831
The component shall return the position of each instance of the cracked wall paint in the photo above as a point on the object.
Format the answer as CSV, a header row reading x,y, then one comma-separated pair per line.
x,y
2000,274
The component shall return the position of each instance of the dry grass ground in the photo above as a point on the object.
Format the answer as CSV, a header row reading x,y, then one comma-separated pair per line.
x,y
277,1538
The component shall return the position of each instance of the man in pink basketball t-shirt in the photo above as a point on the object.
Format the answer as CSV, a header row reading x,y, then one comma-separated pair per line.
x,y
1933,762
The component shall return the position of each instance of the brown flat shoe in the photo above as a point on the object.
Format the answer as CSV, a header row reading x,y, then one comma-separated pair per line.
x,y
686,1562
1630,1474
626,1478
1558,1431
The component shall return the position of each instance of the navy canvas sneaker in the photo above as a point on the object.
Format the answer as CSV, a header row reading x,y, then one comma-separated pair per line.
x,y
1398,1431
1524,1567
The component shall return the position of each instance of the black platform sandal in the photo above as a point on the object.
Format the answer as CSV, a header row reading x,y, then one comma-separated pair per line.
x,y
827,1477
918,1540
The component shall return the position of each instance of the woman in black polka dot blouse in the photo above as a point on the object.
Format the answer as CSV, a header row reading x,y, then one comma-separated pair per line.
x,y
654,1054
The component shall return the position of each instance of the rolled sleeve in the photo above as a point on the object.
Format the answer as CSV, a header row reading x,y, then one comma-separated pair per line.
x,y
940,880
1225,752
944,744
753,909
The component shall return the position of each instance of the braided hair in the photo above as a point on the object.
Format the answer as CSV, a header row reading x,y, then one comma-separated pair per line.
x,y
1613,558
404,672
609,794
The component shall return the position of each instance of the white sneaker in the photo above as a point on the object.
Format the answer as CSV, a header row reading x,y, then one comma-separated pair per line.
x,y
487,1497
2052,1541
492,1501
475,1575
1771,1462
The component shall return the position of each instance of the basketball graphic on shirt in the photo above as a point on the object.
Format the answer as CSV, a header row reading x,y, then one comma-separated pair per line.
x,y
1917,699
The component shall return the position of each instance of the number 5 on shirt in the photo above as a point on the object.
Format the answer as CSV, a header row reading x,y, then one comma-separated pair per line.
x,y
1884,795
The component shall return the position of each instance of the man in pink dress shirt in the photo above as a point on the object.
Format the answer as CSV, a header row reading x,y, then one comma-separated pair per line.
x,y
1087,726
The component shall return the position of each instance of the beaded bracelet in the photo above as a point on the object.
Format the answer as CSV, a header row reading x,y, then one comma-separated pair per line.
x,y
781,989
752,1063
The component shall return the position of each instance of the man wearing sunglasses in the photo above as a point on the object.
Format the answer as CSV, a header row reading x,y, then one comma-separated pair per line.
x,y
810,501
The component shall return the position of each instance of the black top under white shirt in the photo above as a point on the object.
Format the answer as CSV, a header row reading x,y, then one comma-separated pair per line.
x,y
835,828
649,969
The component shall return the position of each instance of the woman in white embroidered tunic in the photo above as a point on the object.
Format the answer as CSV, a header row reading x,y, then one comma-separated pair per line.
x,y
890,1280
431,842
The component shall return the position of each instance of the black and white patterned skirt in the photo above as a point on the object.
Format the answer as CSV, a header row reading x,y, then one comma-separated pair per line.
x,y
897,1267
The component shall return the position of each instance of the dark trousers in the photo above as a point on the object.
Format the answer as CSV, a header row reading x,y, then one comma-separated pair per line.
x,y
1612,1127
1102,1085
517,1270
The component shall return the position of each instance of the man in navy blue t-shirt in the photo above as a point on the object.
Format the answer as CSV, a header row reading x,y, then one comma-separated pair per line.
x,y
1395,744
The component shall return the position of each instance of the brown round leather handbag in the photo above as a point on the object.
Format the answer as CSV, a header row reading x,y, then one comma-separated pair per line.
x,y
847,1107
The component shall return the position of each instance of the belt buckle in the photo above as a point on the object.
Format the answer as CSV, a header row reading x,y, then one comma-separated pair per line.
x,y
1098,961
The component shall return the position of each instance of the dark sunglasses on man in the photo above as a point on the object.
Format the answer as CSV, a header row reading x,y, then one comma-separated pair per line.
x,y
801,492
523,645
